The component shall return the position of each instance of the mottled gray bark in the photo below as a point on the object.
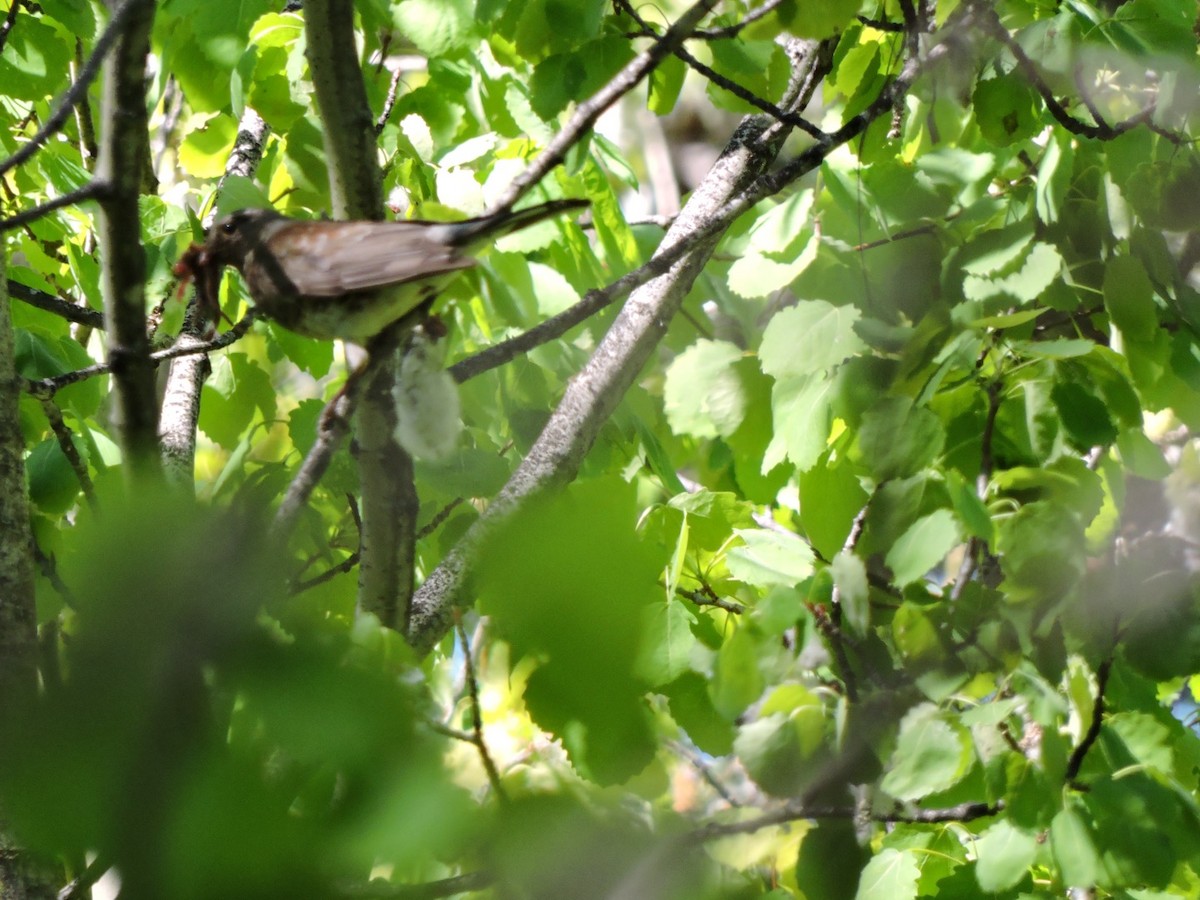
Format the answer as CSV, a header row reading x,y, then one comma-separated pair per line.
x,y
389,498
124,158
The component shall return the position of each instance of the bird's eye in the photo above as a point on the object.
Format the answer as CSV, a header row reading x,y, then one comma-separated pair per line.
x,y
229,226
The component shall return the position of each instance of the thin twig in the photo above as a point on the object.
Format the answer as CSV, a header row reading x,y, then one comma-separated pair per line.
x,y
556,326
727,84
1075,763
698,763
67,445
477,715
48,387
334,426
8,22
96,189
390,102
345,565
437,520
49,569
84,121
706,596
881,24
81,886
587,112
1101,130
78,90
792,812
72,312
731,31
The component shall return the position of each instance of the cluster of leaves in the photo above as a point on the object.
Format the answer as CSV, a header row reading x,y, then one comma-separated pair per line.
x,y
862,547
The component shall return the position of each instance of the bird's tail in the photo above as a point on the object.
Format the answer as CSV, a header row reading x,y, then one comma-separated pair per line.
x,y
495,226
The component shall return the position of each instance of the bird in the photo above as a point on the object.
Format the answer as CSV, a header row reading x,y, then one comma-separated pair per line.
x,y
345,280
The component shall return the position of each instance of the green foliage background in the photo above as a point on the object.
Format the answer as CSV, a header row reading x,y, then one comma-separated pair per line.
x,y
852,597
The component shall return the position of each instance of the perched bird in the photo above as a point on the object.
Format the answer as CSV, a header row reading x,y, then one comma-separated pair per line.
x,y
346,280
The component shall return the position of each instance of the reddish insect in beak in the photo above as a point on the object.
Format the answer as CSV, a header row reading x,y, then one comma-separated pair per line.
x,y
196,265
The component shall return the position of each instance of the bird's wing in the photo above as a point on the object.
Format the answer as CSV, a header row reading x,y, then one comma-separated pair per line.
x,y
326,259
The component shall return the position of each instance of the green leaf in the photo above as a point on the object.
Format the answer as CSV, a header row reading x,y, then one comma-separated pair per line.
x,y
830,861
238,387
1054,179
436,26
850,576
1073,849
932,754
890,875
666,81
585,688
205,150
1041,266
923,546
770,558
1141,455
76,15
737,680
780,751
1084,416
1129,297
53,485
801,410
809,338
35,60
830,499
1042,551
713,515
566,77
1004,854
692,708
1006,109
915,634
753,276
667,642
969,508
818,21
704,395
898,440
997,251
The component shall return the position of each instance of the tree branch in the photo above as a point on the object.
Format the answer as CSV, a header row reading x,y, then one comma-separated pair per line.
x,y
72,312
728,84
18,616
189,369
389,498
9,19
48,387
93,190
1101,130
587,112
124,157
1075,763
595,392
477,716
63,435
791,812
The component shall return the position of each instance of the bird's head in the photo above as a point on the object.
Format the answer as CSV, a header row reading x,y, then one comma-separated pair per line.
x,y
233,236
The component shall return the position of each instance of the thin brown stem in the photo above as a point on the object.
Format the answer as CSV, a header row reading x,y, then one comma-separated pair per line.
x,y
477,715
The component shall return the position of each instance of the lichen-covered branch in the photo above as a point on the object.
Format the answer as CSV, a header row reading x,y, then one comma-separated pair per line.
x,y
124,157
592,395
389,498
